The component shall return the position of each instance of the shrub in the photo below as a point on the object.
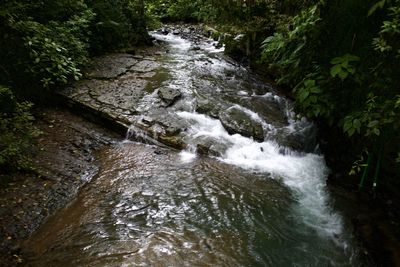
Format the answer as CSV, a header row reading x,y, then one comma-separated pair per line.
x,y
17,133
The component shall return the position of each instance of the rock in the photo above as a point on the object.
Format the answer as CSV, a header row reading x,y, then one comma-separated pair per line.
x,y
168,119
147,120
268,109
208,107
176,32
218,45
207,145
173,141
110,66
145,65
304,141
195,48
235,120
169,95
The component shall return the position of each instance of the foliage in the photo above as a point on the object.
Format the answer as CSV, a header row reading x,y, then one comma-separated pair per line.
x,y
56,49
117,24
17,132
44,43
343,66
344,63
290,48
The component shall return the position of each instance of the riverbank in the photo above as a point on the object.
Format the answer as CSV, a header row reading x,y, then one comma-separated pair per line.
x,y
63,165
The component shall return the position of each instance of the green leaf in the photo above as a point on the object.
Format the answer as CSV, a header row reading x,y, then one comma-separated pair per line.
x,y
376,6
356,124
303,95
309,83
336,70
376,131
350,57
343,75
315,90
347,125
372,124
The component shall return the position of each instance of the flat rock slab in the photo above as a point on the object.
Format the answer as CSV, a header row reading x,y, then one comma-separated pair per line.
x,y
110,66
113,90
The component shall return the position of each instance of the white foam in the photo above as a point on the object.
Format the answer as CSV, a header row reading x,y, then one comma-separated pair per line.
x,y
175,41
188,155
304,174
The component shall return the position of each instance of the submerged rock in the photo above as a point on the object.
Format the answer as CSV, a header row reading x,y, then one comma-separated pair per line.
x,y
235,120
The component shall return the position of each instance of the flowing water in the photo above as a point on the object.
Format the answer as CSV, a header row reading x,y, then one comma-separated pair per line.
x,y
255,204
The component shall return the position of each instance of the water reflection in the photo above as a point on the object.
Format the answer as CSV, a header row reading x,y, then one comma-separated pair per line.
x,y
148,208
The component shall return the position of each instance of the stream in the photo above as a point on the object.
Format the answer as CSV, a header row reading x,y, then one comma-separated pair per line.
x,y
259,198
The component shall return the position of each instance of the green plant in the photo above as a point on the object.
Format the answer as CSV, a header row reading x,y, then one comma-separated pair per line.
x,y
17,132
288,50
56,50
343,66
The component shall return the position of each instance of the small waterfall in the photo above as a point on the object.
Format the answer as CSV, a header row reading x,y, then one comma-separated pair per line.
x,y
136,134
305,174
188,154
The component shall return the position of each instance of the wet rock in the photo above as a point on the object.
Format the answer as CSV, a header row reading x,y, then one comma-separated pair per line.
x,y
110,66
301,141
207,145
147,120
176,32
145,65
268,109
208,107
162,126
168,119
235,120
164,31
169,95
173,141
218,45
195,48
63,164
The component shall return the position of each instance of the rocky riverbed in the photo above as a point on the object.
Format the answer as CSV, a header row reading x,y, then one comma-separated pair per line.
x,y
136,93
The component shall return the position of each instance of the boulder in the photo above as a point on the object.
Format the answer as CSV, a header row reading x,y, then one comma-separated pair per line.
x,y
169,95
207,145
208,107
235,120
300,141
268,109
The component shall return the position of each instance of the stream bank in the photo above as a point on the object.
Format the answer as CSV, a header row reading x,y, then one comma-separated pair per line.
x,y
63,165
